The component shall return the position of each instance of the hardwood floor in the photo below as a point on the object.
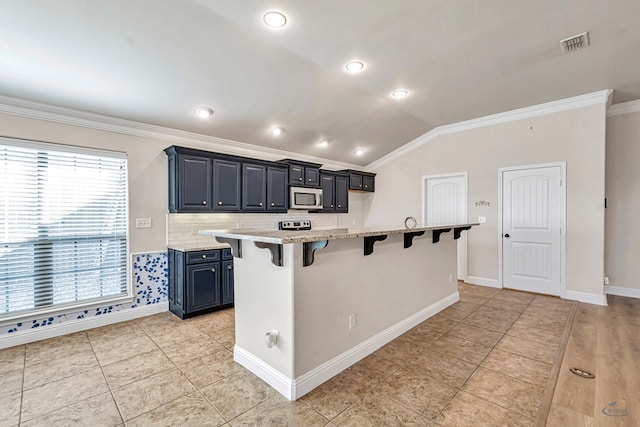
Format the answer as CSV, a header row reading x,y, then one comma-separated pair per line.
x,y
606,342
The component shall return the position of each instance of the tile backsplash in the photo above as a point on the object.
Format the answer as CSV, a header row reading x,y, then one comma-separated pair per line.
x,y
182,229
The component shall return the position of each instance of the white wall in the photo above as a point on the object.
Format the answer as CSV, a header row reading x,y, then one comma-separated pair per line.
x,y
622,243
576,136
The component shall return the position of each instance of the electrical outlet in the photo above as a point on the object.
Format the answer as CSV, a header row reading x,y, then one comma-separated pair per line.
x,y
143,222
606,280
482,219
352,321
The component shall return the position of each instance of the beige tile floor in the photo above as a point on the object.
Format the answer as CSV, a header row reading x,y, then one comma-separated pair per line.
x,y
484,361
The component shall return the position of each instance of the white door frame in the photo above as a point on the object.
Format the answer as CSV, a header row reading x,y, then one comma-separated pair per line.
x,y
462,252
563,220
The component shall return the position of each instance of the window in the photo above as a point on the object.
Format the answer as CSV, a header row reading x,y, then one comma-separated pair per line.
x,y
63,227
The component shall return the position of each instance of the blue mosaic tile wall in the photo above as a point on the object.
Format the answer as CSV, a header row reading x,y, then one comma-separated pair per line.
x,y
150,286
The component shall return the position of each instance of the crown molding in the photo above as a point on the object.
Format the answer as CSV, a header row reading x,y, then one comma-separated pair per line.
x,y
624,108
68,116
595,98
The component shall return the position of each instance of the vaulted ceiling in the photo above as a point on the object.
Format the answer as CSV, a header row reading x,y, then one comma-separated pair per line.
x,y
156,61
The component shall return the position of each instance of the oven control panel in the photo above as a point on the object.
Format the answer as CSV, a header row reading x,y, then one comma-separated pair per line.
x,y
295,225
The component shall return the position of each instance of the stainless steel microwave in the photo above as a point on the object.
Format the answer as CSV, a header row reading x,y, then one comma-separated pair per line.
x,y
305,198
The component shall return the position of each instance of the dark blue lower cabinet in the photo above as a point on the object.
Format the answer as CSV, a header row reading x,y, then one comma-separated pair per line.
x,y
227,282
203,286
199,282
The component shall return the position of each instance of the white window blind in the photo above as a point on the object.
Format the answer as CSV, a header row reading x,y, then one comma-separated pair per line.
x,y
63,232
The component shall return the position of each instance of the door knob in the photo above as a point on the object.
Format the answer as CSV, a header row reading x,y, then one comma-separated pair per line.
x,y
506,235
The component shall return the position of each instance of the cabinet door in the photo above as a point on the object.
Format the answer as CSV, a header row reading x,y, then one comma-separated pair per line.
x,y
277,194
203,286
226,185
194,191
327,182
227,282
296,175
254,188
342,194
368,183
312,177
355,181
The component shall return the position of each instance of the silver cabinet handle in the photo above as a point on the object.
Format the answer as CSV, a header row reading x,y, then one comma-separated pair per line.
x,y
260,203
273,204
204,202
331,205
219,203
213,270
204,256
300,179
309,179
339,206
229,267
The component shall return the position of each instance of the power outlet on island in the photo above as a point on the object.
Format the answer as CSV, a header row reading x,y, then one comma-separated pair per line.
x,y
352,321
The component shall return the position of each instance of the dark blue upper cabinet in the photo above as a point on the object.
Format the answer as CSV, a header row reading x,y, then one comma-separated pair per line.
x,y
226,185
361,181
303,174
277,194
194,193
335,191
342,194
254,189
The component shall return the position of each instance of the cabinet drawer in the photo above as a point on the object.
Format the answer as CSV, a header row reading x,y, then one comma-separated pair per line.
x,y
226,254
203,256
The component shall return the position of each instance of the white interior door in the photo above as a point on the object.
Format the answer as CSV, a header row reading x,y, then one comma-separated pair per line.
x,y
531,229
446,203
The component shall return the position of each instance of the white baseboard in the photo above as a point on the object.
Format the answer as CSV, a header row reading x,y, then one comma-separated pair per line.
x,y
586,297
483,281
71,326
622,291
276,379
294,389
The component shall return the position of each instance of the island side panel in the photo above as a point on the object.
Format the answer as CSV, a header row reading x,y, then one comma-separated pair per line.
x,y
382,289
264,301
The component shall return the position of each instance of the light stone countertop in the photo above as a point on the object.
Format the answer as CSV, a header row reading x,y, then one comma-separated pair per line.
x,y
199,247
304,236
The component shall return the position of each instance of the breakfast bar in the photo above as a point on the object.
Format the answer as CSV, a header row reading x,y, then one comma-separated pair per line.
x,y
311,303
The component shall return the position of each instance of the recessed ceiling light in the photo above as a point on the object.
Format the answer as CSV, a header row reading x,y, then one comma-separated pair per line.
x,y
274,19
359,152
276,131
324,143
354,66
204,112
400,93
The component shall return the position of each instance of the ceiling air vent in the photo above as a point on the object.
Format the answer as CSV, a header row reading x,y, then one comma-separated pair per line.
x,y
576,42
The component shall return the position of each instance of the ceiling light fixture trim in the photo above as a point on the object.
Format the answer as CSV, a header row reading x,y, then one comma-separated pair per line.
x,y
354,66
204,112
400,93
276,131
274,19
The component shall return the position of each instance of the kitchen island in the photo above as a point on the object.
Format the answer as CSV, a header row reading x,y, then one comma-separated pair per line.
x,y
309,304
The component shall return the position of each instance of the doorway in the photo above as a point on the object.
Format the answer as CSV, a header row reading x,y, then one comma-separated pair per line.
x,y
532,228
445,202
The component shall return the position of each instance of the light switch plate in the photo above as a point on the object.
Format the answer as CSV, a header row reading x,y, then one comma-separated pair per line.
x,y
143,222
482,219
